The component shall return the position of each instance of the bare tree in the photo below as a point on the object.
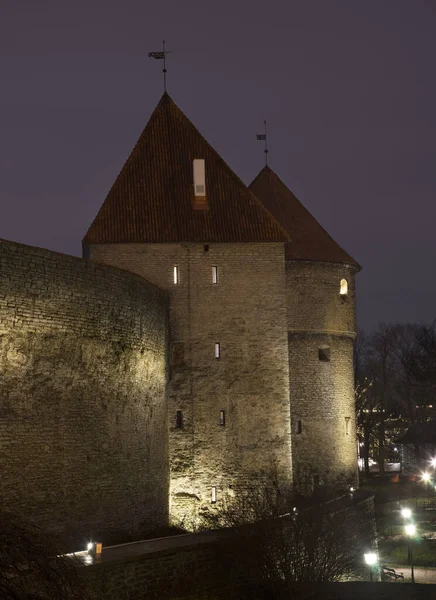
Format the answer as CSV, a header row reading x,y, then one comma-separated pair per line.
x,y
31,566
273,543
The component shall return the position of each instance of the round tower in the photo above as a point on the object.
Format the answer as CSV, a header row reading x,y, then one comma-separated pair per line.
x,y
321,329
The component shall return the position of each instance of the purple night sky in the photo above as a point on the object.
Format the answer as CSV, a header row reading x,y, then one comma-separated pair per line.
x,y
348,89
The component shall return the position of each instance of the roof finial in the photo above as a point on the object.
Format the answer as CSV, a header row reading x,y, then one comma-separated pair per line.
x,y
162,56
262,136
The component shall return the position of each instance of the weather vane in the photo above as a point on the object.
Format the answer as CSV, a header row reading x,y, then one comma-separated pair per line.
x,y
262,136
161,56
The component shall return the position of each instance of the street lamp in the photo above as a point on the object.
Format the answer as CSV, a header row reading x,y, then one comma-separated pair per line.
x,y
371,560
406,513
426,479
433,462
410,530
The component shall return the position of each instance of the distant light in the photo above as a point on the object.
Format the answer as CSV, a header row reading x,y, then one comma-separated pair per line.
x,y
352,489
370,558
295,509
410,529
430,405
395,449
433,462
406,513
425,477
89,546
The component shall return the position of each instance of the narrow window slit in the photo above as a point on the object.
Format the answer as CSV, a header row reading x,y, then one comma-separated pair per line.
x,y
343,287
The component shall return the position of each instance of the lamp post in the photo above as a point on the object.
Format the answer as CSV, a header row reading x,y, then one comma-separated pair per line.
x,y
410,530
371,560
406,513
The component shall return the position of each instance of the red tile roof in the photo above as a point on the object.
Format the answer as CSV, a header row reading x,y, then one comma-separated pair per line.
x,y
152,198
310,241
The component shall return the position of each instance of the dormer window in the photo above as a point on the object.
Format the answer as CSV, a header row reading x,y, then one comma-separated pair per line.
x,y
199,176
343,291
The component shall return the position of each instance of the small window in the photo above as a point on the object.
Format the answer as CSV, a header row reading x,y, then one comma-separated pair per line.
x,y
214,274
298,427
217,350
213,495
222,418
176,275
179,419
344,287
324,353
347,425
199,176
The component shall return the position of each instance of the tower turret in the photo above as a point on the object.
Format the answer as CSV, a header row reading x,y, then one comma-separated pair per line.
x,y
321,329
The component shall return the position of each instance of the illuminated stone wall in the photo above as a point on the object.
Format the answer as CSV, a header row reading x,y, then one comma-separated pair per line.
x,y
83,363
246,314
322,392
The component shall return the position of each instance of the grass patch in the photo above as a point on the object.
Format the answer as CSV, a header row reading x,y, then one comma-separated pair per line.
x,y
424,553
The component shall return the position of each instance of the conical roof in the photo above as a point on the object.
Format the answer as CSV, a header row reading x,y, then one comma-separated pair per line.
x,y
310,241
151,200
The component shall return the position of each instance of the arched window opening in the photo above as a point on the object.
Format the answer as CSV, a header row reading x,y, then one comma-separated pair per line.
x,y
344,287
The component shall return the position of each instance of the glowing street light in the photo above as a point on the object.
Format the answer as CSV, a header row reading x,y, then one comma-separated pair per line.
x,y
433,462
426,477
410,530
371,560
406,513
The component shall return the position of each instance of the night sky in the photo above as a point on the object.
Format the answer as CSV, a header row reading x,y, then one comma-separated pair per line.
x,y
348,89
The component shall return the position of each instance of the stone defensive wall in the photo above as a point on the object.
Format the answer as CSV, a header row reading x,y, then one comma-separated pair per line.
x,y
203,565
83,370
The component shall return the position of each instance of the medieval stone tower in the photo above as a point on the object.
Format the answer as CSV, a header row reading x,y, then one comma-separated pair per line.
x,y
321,328
262,316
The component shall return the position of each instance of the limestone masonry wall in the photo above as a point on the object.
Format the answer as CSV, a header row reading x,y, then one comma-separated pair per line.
x,y
83,363
321,387
245,312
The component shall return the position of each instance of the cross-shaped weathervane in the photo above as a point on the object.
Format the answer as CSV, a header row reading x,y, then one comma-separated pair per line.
x,y
161,56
